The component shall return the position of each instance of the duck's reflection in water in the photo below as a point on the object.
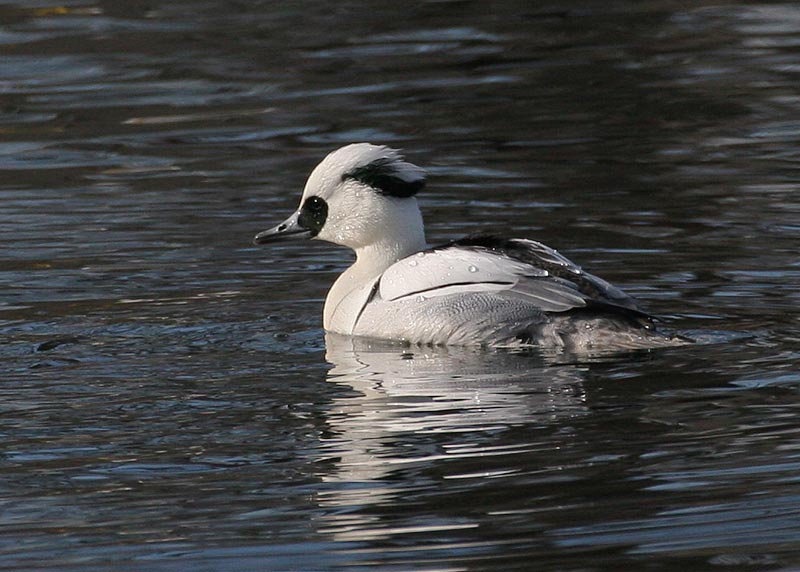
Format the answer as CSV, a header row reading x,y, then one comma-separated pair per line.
x,y
418,416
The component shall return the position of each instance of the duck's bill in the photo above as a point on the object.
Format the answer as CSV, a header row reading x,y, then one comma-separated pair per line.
x,y
289,229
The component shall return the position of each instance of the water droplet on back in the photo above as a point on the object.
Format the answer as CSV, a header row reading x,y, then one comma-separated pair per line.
x,y
473,268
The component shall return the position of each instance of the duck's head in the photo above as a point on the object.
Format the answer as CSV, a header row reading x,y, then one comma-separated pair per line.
x,y
358,196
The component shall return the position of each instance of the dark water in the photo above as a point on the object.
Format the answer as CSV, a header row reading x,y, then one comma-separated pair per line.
x,y
169,401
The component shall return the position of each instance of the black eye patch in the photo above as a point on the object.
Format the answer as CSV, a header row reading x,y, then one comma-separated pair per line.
x,y
313,214
384,176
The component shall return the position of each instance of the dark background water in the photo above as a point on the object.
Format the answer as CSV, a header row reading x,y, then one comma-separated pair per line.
x,y
169,401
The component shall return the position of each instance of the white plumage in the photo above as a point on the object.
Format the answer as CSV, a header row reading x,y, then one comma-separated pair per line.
x,y
482,290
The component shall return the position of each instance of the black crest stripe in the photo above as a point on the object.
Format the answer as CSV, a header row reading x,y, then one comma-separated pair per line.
x,y
384,176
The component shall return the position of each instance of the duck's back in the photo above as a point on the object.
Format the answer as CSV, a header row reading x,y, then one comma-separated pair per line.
x,y
497,292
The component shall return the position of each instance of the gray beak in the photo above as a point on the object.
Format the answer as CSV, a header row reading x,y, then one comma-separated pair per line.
x,y
287,230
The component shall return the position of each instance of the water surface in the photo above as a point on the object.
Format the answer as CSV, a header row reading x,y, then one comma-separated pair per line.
x,y
169,400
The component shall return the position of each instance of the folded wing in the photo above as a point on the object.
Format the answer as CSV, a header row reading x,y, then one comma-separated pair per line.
x,y
522,269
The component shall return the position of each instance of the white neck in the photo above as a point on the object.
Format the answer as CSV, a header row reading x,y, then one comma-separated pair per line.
x,y
400,232
401,235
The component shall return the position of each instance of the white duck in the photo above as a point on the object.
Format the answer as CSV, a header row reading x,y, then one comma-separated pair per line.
x,y
480,290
